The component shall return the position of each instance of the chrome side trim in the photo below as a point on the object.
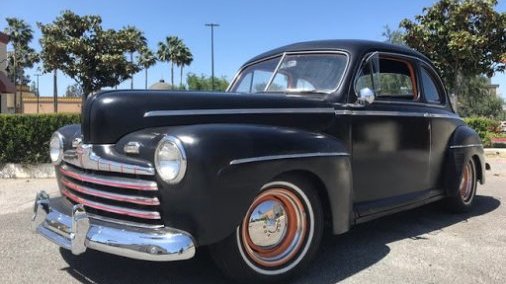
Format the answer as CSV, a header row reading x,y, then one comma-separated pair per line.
x,y
143,214
465,146
119,182
156,113
437,115
77,233
393,113
109,195
288,156
84,157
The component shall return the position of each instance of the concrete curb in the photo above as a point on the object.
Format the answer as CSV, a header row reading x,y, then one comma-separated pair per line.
x,y
495,152
19,171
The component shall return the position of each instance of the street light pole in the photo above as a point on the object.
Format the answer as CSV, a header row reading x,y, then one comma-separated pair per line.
x,y
38,93
212,25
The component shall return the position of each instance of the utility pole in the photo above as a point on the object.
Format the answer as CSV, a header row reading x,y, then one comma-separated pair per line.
x,y
55,91
38,93
212,25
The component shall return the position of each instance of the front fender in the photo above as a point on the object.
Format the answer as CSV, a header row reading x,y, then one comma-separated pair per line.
x,y
229,163
464,144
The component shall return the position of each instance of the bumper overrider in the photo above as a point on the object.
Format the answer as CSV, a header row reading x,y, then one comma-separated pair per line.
x,y
76,231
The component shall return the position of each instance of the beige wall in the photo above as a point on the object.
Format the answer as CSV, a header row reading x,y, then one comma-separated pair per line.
x,y
68,105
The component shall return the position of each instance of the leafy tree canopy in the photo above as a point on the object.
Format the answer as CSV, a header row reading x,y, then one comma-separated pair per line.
x,y
93,56
203,83
393,36
475,99
462,37
74,91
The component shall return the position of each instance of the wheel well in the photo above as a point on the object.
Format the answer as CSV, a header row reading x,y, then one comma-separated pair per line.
x,y
320,189
479,170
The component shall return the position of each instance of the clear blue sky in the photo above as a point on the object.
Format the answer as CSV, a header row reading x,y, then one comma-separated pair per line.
x,y
247,28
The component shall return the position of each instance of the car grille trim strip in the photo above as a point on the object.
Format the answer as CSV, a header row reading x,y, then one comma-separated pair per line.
x,y
141,200
152,215
118,182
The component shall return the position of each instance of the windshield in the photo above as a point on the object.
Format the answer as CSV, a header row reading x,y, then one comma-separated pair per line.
x,y
307,72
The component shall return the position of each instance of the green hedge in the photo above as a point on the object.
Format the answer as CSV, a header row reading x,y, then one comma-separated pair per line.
x,y
25,138
485,127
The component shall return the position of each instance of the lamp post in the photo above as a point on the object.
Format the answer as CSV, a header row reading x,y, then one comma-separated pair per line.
x,y
212,25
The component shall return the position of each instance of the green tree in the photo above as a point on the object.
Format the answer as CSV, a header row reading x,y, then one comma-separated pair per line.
x,y
168,52
393,36
134,42
22,55
184,58
74,91
475,99
203,83
146,59
463,38
94,57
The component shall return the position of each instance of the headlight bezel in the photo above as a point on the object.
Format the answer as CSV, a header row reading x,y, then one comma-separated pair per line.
x,y
56,160
182,159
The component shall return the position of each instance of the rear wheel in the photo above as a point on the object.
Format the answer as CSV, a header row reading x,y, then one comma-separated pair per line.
x,y
463,201
279,235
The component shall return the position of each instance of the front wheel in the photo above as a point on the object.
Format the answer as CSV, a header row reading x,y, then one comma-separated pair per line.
x,y
463,201
279,234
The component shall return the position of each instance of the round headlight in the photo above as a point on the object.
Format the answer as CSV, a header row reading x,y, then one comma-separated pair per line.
x,y
170,159
56,148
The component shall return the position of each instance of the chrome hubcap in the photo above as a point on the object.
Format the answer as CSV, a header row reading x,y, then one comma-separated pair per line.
x,y
267,224
274,228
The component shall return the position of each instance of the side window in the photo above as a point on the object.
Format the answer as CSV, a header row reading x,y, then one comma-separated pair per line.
x,y
396,79
430,91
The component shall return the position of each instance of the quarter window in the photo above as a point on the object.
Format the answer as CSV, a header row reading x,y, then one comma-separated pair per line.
x,y
430,90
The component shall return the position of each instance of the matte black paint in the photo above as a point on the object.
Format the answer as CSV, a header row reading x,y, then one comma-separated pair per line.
x,y
396,162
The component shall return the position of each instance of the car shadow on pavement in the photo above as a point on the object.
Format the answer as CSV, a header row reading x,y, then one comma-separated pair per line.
x,y
340,256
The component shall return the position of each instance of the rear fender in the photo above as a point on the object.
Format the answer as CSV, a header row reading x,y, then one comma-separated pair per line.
x,y
464,144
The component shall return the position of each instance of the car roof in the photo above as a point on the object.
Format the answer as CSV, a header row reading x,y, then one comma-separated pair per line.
x,y
353,46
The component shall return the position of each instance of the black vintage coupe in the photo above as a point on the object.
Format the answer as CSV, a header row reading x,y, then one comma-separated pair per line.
x,y
333,133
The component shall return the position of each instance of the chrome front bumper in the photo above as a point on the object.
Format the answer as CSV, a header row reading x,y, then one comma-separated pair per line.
x,y
77,232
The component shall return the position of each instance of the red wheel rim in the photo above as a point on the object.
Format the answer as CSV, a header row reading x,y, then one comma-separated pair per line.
x,y
466,183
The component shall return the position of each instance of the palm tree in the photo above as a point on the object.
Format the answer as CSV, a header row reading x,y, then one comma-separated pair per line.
x,y
185,58
167,51
20,34
135,41
146,59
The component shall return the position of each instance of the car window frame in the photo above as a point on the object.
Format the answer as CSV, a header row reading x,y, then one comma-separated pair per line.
x,y
397,57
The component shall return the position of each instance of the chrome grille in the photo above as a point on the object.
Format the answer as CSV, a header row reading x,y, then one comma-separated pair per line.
x,y
112,195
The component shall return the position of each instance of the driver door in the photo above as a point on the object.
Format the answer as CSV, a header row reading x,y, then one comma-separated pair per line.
x,y
390,137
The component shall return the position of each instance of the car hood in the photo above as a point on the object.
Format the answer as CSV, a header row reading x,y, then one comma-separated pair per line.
x,y
109,115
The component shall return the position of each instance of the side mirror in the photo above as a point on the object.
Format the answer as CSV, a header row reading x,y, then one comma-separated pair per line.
x,y
366,96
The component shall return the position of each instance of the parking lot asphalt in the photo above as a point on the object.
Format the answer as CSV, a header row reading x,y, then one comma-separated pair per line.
x,y
423,245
